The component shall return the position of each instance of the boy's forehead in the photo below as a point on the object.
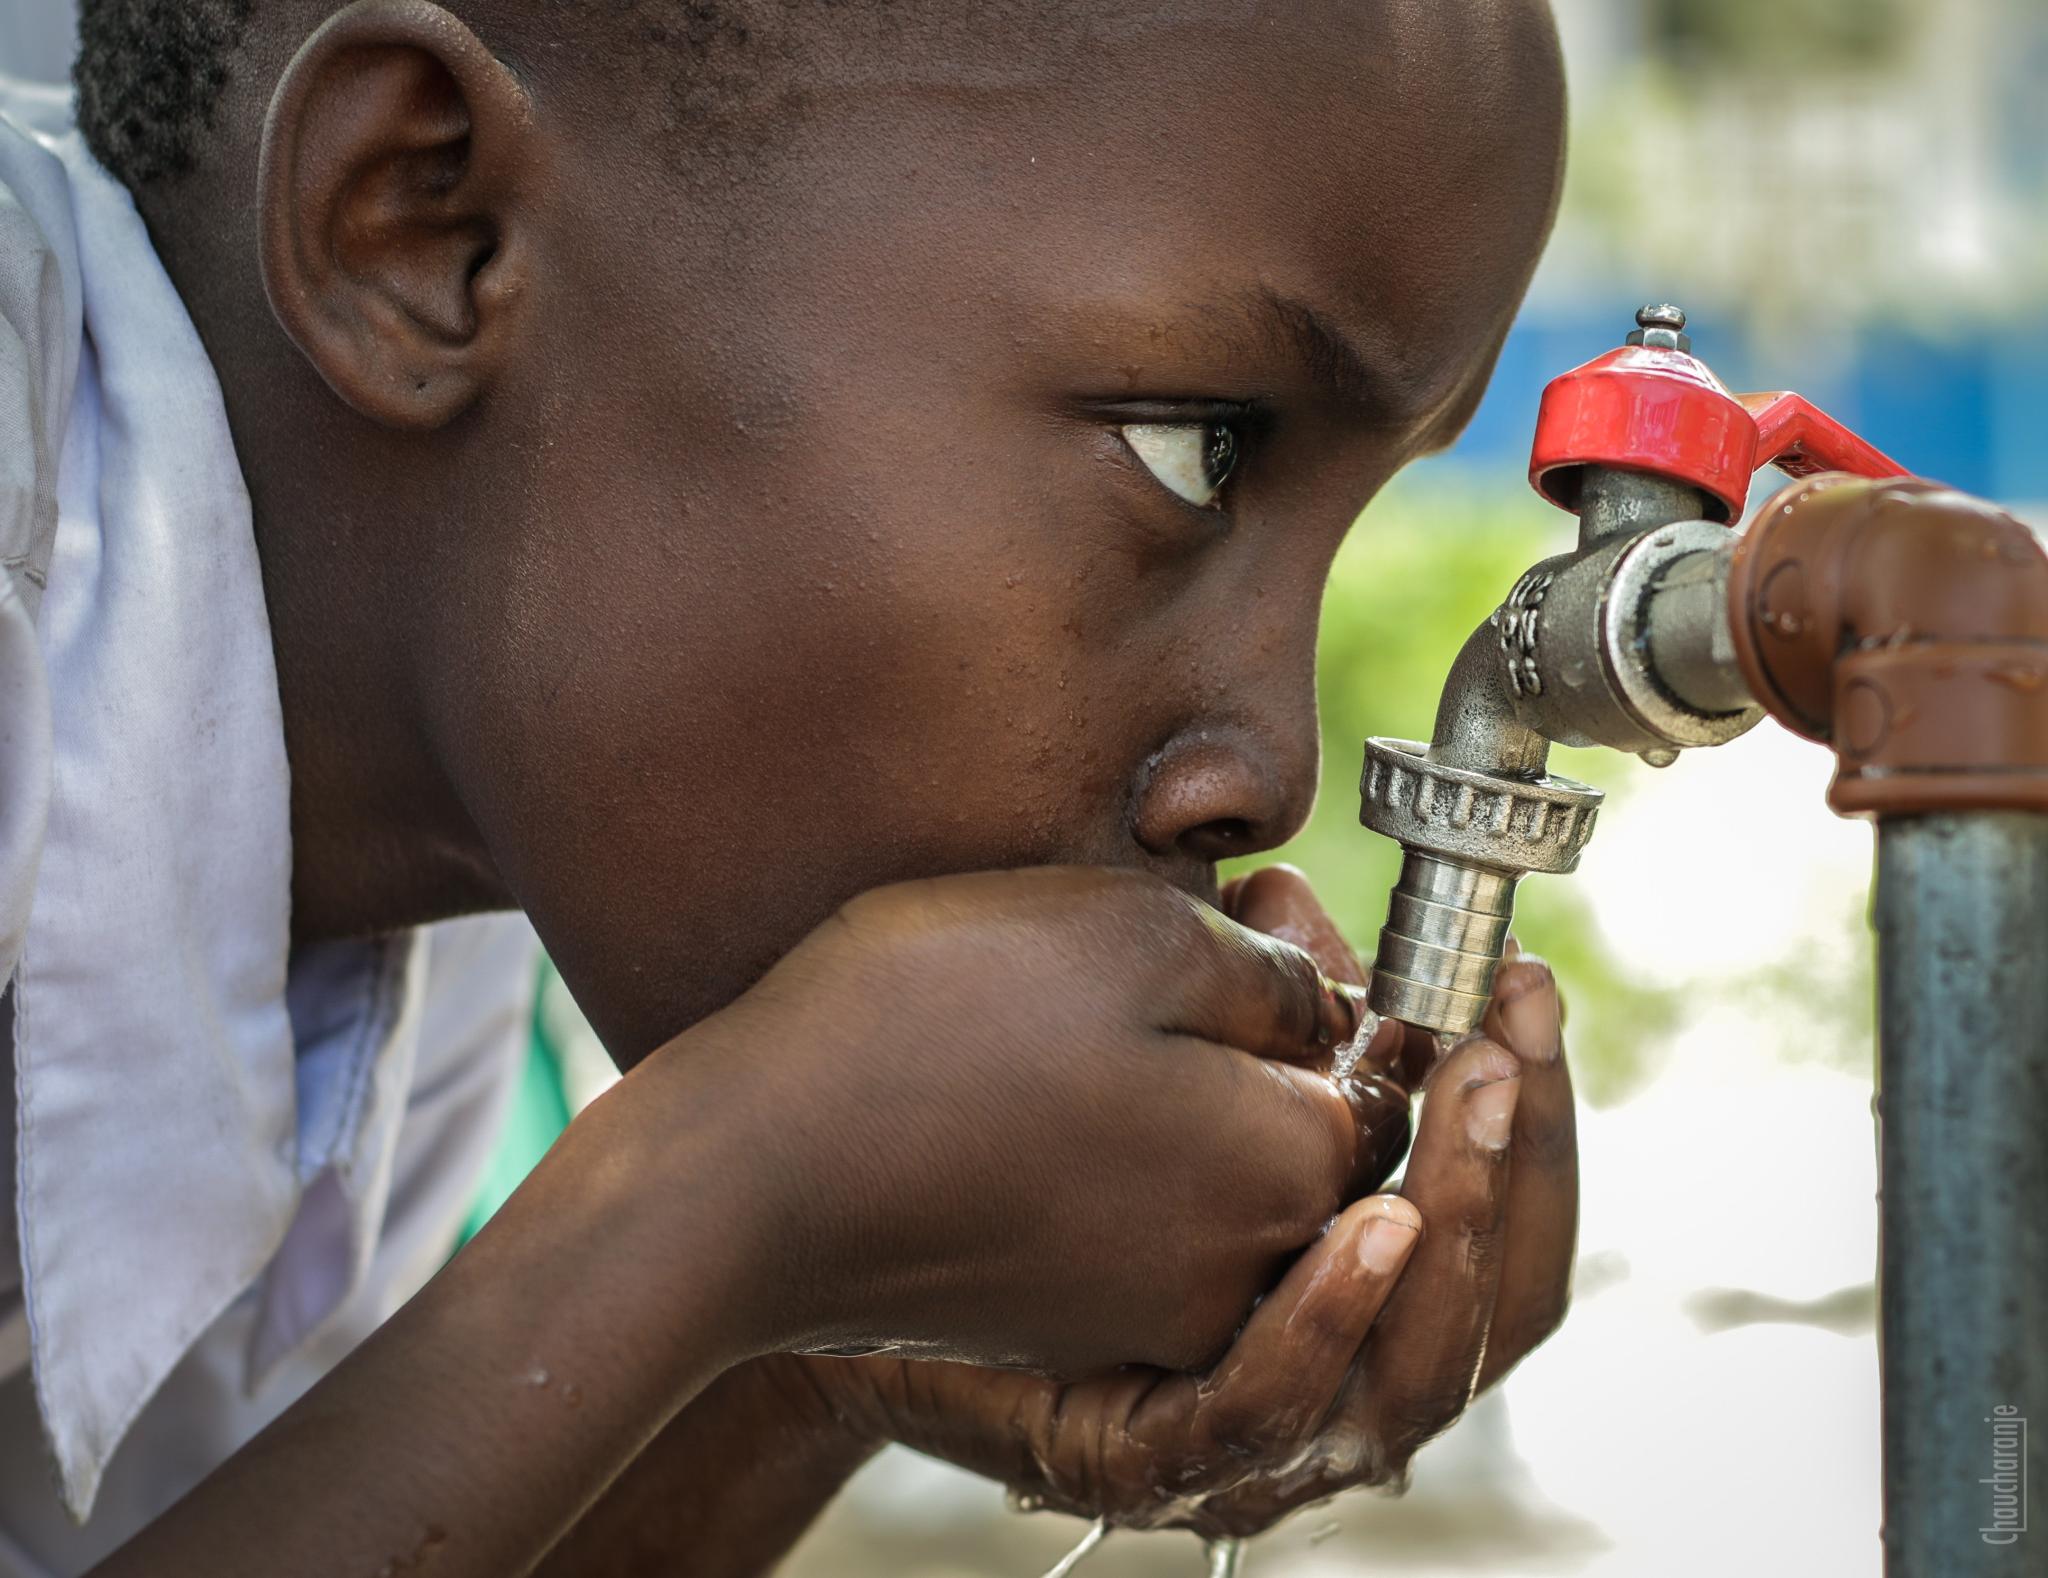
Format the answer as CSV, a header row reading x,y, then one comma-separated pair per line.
x,y
1371,176
955,46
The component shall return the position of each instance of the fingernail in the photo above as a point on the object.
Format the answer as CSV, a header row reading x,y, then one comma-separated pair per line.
x,y
1343,1008
1385,1244
1530,1016
1358,1003
1490,1113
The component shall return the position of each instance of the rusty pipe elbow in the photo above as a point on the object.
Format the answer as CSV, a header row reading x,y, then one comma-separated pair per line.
x,y
1905,625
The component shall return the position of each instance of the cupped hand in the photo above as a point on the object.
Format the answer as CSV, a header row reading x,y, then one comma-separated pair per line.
x,y
1375,1340
1057,1119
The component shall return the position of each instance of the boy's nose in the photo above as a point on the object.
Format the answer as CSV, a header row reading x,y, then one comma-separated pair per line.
x,y
1225,792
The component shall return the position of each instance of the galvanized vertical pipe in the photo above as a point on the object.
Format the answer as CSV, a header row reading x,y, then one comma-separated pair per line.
x,y
1962,917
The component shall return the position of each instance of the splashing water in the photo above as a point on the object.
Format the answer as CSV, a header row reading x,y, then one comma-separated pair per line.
x,y
1350,1052
1226,1558
1098,1531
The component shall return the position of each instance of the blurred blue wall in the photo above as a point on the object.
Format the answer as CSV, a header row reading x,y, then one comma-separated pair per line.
x,y
1970,410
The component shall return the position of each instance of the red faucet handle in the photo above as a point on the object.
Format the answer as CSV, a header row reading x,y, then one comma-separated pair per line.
x,y
1653,406
1800,439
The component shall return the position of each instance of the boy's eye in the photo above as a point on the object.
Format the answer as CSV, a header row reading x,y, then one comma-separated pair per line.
x,y
1193,459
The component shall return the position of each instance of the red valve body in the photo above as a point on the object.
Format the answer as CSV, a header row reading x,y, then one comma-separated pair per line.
x,y
1646,408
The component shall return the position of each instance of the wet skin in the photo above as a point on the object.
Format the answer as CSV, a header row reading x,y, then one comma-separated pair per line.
x,y
681,549
1406,1307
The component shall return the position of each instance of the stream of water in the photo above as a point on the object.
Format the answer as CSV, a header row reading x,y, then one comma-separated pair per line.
x,y
1226,1557
1098,1531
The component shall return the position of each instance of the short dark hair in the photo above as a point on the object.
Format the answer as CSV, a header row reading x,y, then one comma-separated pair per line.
x,y
149,77
150,73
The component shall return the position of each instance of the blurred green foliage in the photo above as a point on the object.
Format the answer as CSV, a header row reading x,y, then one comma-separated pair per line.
x,y
1753,34
1424,566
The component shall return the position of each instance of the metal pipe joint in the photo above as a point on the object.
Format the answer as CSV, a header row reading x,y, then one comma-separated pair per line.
x,y
1622,642
1617,643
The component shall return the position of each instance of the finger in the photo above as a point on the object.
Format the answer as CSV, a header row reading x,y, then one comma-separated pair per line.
x,y
1423,1359
1420,1051
1490,1024
1278,901
1138,1444
1542,1214
1409,1054
1251,991
1227,899
1267,1395
1381,1115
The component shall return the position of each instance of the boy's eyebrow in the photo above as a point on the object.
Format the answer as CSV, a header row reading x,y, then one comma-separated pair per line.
x,y
1374,379
1332,357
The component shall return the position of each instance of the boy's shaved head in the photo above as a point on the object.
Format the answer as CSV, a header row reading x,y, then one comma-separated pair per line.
x,y
677,543
150,73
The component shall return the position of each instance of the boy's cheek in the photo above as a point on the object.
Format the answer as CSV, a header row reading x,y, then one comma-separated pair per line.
x,y
885,701
705,822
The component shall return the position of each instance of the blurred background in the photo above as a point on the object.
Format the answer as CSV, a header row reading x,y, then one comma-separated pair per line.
x,y
1851,199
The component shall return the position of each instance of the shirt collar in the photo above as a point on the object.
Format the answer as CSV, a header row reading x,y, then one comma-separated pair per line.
x,y
157,1147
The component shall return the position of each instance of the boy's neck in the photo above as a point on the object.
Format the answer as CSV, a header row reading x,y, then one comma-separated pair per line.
x,y
346,536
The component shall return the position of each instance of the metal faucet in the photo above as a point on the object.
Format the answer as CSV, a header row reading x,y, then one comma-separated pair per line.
x,y
1620,642
1906,627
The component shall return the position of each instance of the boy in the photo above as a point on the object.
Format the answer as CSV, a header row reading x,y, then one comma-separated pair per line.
x,y
714,475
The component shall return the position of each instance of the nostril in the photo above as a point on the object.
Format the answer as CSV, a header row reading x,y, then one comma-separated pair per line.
x,y
1220,794
1220,839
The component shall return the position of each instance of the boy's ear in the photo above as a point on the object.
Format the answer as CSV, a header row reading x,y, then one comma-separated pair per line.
x,y
396,184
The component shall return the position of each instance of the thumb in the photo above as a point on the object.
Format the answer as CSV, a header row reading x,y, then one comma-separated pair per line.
x,y
1278,901
1244,989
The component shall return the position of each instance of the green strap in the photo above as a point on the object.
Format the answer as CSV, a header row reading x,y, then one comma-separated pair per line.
x,y
540,1112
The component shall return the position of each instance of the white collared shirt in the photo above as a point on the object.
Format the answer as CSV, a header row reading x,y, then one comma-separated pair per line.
x,y
231,1161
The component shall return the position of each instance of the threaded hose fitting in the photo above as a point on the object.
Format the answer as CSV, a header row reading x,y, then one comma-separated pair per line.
x,y
1467,838
1446,925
